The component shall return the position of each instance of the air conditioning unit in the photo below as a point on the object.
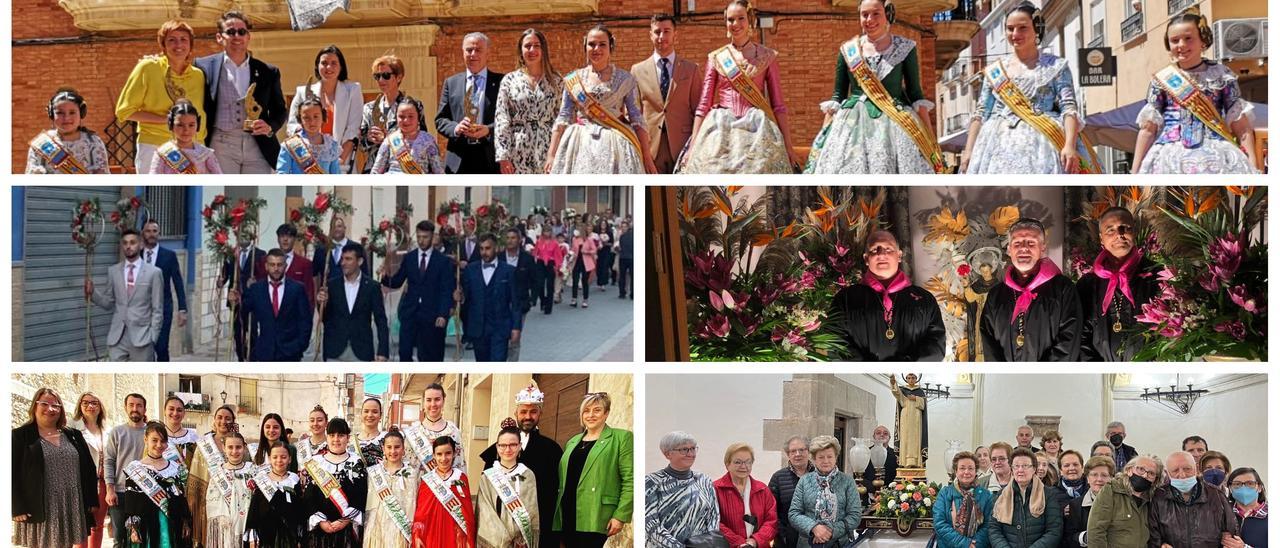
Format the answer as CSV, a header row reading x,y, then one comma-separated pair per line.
x,y
1236,39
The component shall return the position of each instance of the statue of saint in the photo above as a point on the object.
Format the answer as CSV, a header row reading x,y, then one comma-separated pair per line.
x,y
912,422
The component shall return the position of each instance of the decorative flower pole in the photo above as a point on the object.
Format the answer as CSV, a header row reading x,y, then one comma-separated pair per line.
x,y
86,236
311,217
226,224
455,216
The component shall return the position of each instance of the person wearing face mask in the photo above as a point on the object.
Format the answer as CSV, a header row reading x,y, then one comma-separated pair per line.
x,y
1213,468
1035,314
1189,513
886,318
1120,452
1112,294
1093,476
963,508
825,509
881,437
1249,501
783,485
680,504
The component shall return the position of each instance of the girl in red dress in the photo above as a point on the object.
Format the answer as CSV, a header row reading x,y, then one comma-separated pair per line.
x,y
444,516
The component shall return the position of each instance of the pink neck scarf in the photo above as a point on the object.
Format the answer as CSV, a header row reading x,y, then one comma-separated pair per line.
x,y
1047,271
896,284
1116,277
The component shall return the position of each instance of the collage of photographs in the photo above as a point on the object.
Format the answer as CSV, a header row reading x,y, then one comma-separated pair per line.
x,y
801,296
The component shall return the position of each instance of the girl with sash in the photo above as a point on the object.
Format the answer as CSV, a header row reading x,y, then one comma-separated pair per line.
x,y
1195,120
311,151
527,101
276,514
227,499
600,128
154,501
156,83
410,148
367,442
876,118
208,455
182,154
1027,119
596,478
444,516
69,147
421,436
271,431
312,443
335,497
393,491
507,498
741,123
181,439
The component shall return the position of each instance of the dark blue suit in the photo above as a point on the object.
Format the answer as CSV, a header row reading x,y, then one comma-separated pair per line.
x,y
493,309
428,298
167,261
283,337
244,274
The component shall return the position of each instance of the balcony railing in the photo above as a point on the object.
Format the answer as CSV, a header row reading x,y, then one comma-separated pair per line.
x,y
966,10
1176,6
193,401
1132,27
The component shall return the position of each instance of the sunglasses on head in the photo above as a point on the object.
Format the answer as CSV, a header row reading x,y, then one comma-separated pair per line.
x,y
235,32
383,75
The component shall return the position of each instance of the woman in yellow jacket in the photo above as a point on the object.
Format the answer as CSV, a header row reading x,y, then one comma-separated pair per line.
x,y
596,480
156,83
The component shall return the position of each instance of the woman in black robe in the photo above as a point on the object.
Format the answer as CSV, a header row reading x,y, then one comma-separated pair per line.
x,y
884,317
1112,294
327,526
279,522
1034,316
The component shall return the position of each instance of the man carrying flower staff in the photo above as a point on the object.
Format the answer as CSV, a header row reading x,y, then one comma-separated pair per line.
x,y
428,302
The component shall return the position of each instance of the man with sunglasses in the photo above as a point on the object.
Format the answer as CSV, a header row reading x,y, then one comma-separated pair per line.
x,y
1112,294
241,145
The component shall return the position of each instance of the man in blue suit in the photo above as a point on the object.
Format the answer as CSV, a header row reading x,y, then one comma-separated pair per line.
x,y
427,304
332,254
167,261
492,299
279,314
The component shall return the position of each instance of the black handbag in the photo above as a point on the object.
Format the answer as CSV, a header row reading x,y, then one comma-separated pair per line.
x,y
708,539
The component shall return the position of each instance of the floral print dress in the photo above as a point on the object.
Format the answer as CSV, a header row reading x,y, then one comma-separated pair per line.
x,y
525,117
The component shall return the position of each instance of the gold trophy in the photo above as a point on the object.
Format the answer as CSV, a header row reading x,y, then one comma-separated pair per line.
x,y
252,110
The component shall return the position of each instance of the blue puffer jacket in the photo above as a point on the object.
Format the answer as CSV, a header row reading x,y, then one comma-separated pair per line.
x,y
949,500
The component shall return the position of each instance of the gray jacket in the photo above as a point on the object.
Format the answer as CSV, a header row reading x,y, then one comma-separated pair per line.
x,y
138,316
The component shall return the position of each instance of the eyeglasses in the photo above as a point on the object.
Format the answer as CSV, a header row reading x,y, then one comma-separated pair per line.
x,y
796,451
508,446
383,75
1024,467
686,451
999,459
49,405
91,403
1252,484
743,462
235,32
1144,472
880,250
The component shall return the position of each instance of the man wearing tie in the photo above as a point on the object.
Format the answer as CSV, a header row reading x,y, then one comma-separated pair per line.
x,y
669,92
355,306
135,294
249,265
519,259
296,268
279,314
167,262
426,305
333,254
468,103
491,296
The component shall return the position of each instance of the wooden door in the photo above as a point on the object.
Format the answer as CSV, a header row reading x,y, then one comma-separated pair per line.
x,y
564,395
667,317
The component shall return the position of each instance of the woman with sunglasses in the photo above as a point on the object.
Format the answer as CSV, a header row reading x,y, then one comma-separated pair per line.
x,y
51,508
379,116
595,478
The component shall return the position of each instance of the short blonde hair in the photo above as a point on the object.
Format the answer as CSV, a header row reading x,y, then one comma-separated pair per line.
x,y
821,443
737,448
593,398
1102,461
392,62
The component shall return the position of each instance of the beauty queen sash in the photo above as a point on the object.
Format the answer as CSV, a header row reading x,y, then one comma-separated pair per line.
x,y
874,89
382,486
301,154
440,489
263,480
219,477
149,482
577,88
1020,104
511,501
1184,91
329,486
176,159
727,65
56,155
404,154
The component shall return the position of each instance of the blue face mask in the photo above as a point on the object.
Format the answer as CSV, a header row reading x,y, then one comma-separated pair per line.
x,y
1214,476
1183,485
1245,495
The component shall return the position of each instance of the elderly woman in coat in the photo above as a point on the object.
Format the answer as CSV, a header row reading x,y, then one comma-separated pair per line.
x,y
825,508
679,503
1025,514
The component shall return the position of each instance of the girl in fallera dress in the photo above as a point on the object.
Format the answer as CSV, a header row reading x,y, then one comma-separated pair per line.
x,y
312,443
410,148
1027,120
276,513
741,123
208,454
69,147
1195,120
181,439
271,431
154,501
444,516
436,426
394,482
182,154
527,102
311,151
600,128
367,441
877,118
335,496
227,499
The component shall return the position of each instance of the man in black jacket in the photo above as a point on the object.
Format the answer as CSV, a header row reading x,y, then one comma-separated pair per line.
x,y
468,105
241,145
783,486
1034,315
352,307
626,261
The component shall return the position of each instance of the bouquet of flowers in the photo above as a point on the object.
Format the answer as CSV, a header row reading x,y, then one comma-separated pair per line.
x,y
1212,300
539,210
451,218
493,217
308,219
380,237
83,217
126,214
227,223
906,500
742,306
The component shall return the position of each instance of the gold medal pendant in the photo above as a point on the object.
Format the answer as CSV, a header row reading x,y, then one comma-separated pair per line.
x,y
888,333
1117,327
1020,341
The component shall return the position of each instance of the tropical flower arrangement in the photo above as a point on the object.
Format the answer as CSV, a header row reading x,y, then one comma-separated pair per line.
x,y
225,223
906,500
83,218
127,211
309,218
751,292
1212,300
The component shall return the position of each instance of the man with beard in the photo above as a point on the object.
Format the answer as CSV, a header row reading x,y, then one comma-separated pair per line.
x,y
885,318
881,438
167,261
244,269
427,303
1112,294
296,268
490,296
541,454
279,314
135,295
123,446
1034,316
522,261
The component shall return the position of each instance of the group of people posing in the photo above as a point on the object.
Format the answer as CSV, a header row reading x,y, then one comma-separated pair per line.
x,y
277,297
167,486
1032,313
1000,496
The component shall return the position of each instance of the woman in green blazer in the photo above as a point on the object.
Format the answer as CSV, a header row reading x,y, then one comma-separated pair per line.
x,y
595,479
